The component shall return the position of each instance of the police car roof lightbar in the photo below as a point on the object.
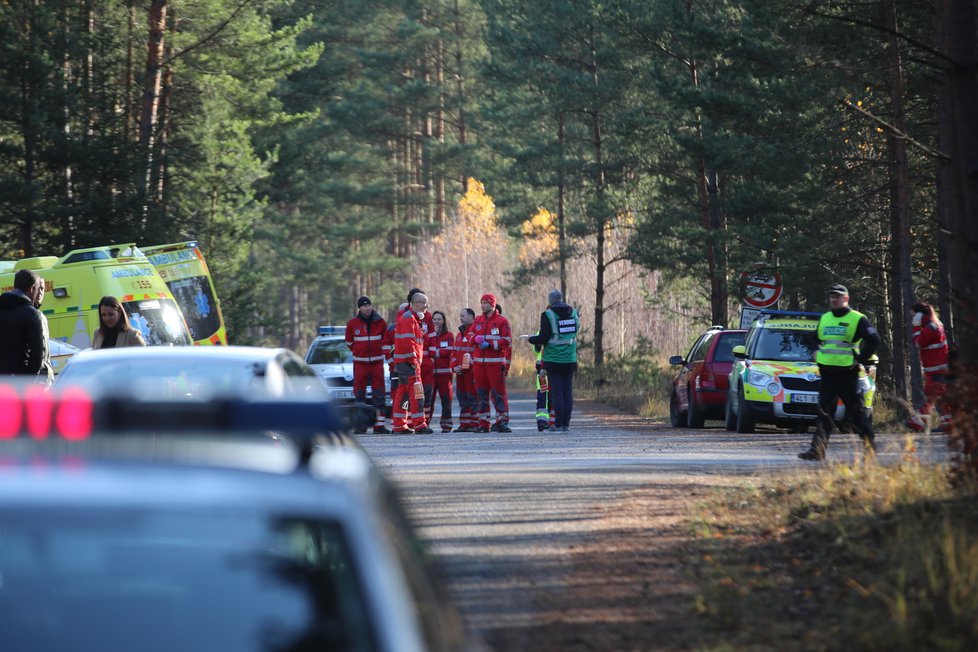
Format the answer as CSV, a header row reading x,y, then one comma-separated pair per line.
x,y
790,313
74,416
331,330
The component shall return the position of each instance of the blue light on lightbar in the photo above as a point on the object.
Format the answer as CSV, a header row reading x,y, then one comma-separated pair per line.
x,y
789,313
331,330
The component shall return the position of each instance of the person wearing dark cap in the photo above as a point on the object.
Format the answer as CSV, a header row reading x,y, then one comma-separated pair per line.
x,y
493,340
365,335
559,325
846,341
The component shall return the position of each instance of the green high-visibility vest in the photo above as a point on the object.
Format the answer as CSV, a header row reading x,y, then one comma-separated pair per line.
x,y
562,346
837,336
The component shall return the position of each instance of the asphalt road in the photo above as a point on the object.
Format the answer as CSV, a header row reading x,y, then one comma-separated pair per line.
x,y
574,541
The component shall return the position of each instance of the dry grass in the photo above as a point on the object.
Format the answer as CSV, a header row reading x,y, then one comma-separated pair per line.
x,y
852,557
634,383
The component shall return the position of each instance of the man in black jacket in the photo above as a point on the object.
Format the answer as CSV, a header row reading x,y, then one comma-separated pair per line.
x,y
24,330
559,326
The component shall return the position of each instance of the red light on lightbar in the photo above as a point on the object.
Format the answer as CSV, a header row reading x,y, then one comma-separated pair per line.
x,y
11,415
74,419
40,407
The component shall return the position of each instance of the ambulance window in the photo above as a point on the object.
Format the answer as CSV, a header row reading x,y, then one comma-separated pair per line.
x,y
159,322
198,305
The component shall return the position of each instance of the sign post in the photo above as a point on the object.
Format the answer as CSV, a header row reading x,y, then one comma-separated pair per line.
x,y
761,288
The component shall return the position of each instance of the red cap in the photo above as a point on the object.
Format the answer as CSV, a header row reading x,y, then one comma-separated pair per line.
x,y
490,298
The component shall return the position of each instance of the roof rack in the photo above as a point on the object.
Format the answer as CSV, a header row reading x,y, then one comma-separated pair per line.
x,y
789,313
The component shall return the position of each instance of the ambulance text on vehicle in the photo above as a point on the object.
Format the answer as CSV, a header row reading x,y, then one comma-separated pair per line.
x,y
182,267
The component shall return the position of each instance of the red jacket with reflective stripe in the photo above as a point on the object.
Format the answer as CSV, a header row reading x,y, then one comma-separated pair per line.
x,y
366,338
495,330
463,345
440,349
932,342
409,341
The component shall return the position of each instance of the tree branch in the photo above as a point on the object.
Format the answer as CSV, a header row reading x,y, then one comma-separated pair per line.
x,y
217,30
893,130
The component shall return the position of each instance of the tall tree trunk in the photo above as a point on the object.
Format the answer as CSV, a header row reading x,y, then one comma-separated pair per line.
x,y
962,47
899,173
151,93
460,89
561,226
946,190
29,92
439,174
601,217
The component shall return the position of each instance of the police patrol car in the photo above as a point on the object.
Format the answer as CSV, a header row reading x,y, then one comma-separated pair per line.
x,y
331,358
774,377
223,525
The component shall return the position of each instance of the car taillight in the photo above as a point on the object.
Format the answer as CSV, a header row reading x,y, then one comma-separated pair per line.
x,y
707,379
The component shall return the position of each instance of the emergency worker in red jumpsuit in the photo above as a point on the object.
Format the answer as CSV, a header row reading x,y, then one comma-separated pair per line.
x,y
929,337
493,339
365,335
441,345
409,350
464,373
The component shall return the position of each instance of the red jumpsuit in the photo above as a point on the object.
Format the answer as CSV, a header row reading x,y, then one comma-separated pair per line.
x,y
465,379
930,338
365,337
493,339
440,349
409,340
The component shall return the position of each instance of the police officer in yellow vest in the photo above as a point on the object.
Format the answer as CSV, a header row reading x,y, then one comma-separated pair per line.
x,y
846,340
559,325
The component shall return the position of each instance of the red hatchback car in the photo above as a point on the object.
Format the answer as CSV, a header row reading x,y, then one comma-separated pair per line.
x,y
699,391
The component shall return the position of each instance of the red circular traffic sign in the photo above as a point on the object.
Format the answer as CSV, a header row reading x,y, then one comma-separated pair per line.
x,y
761,287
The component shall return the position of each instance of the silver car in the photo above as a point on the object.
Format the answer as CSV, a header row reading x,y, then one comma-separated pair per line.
x,y
193,372
330,357
144,533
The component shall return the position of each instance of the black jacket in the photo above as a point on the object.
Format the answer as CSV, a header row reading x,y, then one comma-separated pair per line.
x,y
23,336
546,333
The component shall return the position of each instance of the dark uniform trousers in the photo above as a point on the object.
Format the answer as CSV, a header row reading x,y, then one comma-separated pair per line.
x,y
835,385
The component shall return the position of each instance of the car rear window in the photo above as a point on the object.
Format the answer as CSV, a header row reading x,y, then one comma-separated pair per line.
x,y
329,352
725,346
128,580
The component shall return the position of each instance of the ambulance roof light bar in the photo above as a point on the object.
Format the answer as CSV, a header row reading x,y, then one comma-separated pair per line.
x,y
789,313
331,330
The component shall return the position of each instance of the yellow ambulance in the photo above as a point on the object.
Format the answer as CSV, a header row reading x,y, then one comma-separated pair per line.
x,y
76,282
182,267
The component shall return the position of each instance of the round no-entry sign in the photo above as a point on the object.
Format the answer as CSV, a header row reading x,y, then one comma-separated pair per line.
x,y
760,286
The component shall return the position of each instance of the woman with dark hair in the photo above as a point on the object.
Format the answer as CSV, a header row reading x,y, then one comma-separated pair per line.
x,y
113,327
464,378
441,344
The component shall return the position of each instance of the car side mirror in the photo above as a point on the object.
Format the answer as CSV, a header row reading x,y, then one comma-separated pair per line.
x,y
740,351
676,359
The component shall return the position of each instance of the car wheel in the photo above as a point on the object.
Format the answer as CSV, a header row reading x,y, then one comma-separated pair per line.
x,y
745,423
695,416
676,417
729,418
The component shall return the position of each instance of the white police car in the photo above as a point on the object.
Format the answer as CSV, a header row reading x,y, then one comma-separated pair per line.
x,y
331,359
131,524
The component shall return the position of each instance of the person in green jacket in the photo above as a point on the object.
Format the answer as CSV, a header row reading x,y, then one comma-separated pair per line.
x,y
559,325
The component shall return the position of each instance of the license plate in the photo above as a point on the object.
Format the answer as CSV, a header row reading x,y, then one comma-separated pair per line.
x,y
804,398
343,394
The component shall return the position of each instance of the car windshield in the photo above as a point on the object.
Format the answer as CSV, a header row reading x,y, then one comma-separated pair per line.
x,y
159,321
168,378
206,580
329,352
725,346
785,345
